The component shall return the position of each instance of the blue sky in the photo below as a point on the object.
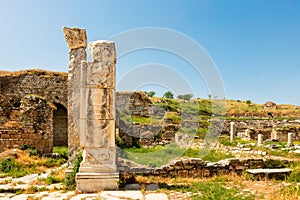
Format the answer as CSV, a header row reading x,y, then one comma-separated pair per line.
x,y
254,44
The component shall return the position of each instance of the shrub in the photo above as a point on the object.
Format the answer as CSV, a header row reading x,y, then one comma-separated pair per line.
x,y
295,175
70,181
119,142
62,151
150,94
168,95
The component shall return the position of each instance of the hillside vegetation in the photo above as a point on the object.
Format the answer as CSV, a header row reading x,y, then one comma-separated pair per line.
x,y
227,108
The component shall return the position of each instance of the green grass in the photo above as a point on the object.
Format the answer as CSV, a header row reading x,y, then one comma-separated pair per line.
x,y
153,157
63,151
137,119
225,140
170,105
10,167
26,163
143,150
295,175
173,116
159,155
212,156
214,189
34,189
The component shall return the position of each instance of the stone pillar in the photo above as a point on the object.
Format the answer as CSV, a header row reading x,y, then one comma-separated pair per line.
x,y
248,134
260,141
290,142
98,169
232,131
76,40
274,134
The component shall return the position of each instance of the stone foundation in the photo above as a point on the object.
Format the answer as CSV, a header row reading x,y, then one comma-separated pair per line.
x,y
197,168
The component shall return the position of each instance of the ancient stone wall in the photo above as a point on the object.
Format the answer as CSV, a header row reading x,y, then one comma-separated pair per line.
x,y
31,125
133,103
50,86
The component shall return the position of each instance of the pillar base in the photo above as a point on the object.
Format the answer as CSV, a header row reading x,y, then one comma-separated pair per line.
x,y
95,182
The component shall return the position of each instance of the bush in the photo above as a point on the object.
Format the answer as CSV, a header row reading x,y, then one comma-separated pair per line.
x,y
70,181
295,175
168,95
62,151
150,94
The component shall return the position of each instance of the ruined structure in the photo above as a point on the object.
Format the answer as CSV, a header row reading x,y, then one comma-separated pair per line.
x,y
76,40
33,109
94,124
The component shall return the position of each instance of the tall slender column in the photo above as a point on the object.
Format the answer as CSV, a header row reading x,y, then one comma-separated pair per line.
x,y
76,40
232,132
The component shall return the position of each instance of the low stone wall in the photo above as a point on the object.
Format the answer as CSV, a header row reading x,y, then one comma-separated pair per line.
x,y
197,168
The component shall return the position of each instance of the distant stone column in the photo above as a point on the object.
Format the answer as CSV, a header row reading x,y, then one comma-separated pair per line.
x,y
98,169
274,134
260,141
290,142
76,40
232,132
248,134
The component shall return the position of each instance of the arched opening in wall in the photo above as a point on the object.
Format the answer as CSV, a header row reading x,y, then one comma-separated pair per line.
x,y
60,126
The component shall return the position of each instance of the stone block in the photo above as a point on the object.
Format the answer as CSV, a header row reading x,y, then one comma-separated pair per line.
x,y
101,156
183,173
99,133
5,136
75,37
100,103
194,173
96,182
101,75
102,50
187,166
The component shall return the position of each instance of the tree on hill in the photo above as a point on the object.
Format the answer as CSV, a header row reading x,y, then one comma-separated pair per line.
x,y
185,96
168,95
150,94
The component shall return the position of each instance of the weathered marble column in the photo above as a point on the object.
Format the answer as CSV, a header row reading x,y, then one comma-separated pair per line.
x,y
232,131
98,169
290,142
260,141
76,40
